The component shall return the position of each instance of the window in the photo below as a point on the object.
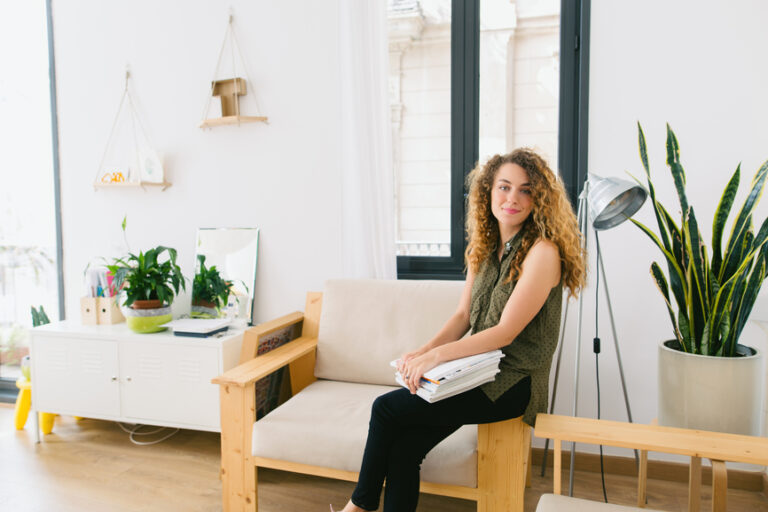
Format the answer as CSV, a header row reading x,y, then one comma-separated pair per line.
x,y
468,79
28,198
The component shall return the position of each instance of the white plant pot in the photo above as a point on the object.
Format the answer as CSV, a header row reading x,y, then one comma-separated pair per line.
x,y
719,394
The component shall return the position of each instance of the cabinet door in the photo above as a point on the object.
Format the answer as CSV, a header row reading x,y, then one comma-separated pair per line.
x,y
170,383
75,376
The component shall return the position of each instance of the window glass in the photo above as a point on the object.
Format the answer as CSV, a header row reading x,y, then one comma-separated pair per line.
x,y
518,103
27,212
519,76
420,102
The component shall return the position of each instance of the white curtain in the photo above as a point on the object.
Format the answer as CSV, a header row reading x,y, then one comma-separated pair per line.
x,y
368,232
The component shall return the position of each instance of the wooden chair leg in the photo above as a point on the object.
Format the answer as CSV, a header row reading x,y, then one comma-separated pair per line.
x,y
238,474
501,453
694,485
719,486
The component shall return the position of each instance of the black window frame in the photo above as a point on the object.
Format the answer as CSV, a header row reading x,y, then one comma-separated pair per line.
x,y
465,112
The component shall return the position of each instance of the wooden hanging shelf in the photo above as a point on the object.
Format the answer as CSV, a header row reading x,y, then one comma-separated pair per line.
x,y
133,184
229,91
221,121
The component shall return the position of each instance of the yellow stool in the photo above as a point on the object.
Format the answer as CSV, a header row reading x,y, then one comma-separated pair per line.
x,y
23,404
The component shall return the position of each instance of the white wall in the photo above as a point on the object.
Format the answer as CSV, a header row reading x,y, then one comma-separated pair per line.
x,y
282,177
700,67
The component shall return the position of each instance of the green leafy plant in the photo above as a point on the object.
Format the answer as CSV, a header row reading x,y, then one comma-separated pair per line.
x,y
714,297
39,317
146,277
209,286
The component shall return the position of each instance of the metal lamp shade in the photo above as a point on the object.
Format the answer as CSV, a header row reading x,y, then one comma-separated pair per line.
x,y
612,201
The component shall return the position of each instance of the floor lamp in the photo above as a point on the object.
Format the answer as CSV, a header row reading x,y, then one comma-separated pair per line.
x,y
609,201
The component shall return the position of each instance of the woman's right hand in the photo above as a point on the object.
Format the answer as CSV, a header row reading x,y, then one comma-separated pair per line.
x,y
407,357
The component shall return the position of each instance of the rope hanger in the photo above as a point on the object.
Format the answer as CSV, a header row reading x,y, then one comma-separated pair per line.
x,y
234,46
137,126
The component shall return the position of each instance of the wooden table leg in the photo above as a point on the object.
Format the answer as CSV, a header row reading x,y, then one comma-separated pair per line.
x,y
719,486
528,462
694,485
558,466
642,479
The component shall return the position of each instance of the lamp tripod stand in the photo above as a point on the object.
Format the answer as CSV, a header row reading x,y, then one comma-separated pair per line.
x,y
584,227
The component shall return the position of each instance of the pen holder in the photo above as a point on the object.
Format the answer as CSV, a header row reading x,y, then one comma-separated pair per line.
x,y
89,311
108,312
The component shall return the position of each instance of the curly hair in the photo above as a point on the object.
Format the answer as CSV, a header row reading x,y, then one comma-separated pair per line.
x,y
551,219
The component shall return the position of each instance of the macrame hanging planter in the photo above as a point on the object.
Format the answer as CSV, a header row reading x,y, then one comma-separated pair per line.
x,y
230,90
128,159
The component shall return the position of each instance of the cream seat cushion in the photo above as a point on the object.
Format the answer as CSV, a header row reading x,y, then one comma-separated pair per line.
x,y
327,424
558,503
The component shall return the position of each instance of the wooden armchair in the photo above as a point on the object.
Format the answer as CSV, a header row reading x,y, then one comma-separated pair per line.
x,y
338,366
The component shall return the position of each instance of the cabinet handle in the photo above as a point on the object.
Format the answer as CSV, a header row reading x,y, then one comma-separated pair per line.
x,y
128,379
113,379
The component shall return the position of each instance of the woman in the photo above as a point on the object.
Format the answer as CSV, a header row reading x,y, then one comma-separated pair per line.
x,y
524,246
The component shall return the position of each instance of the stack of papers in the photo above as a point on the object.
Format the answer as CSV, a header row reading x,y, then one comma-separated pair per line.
x,y
198,327
457,376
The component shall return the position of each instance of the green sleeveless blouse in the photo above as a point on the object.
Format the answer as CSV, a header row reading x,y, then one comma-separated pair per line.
x,y
531,352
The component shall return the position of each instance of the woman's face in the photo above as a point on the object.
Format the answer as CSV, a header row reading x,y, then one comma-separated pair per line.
x,y
511,202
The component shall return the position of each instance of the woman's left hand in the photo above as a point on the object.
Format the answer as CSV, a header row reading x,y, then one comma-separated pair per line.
x,y
417,367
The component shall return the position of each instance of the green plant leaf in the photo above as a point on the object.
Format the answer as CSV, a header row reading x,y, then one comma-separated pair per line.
x,y
677,276
747,301
643,148
651,190
721,215
678,174
661,284
699,283
743,222
685,331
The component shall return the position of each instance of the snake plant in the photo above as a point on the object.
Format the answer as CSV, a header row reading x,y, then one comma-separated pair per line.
x,y
714,296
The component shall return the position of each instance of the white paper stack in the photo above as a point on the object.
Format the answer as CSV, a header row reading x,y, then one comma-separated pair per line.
x,y
457,376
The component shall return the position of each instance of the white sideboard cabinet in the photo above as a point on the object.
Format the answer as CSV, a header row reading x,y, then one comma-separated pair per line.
x,y
109,372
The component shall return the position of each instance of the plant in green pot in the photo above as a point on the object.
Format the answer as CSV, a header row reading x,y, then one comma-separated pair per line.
x,y
707,379
148,282
210,291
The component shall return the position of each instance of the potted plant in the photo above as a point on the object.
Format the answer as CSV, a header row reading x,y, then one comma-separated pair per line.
x,y
210,291
148,284
707,379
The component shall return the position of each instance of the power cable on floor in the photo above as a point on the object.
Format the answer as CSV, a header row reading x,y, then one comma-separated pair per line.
x,y
134,431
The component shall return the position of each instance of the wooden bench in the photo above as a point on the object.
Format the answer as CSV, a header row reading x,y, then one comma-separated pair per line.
x,y
696,444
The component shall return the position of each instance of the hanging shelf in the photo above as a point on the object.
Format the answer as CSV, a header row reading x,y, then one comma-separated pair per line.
x,y
142,184
143,167
230,90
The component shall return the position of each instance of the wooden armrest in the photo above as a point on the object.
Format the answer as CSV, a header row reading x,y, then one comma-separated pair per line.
x,y
278,323
252,336
263,365
682,441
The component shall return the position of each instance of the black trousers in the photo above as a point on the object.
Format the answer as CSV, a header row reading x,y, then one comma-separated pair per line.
x,y
405,427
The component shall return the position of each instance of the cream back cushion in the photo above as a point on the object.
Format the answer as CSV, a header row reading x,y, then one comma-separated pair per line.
x,y
366,323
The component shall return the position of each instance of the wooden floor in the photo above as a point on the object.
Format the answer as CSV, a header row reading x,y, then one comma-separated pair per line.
x,y
90,465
